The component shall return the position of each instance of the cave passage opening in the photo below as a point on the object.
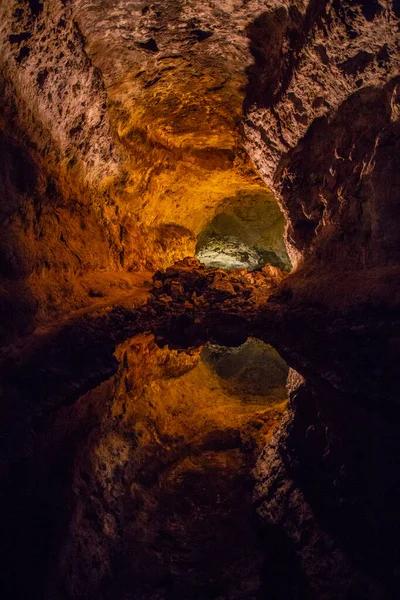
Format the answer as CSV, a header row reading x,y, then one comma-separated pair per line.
x,y
246,232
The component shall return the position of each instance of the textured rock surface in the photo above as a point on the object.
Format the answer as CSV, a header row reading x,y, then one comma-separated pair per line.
x,y
322,126
136,488
121,141
246,232
188,287
57,156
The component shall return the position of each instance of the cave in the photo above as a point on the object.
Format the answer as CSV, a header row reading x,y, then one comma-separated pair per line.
x,y
247,232
199,300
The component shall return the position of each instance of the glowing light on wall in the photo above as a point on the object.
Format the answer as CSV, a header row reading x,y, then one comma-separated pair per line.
x,y
228,253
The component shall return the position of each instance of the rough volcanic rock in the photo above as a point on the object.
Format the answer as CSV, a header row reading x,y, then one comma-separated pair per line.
x,y
152,464
246,232
189,285
58,158
175,75
322,126
119,140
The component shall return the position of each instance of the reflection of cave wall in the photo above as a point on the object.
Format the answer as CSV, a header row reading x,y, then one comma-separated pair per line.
x,y
247,231
121,144
151,464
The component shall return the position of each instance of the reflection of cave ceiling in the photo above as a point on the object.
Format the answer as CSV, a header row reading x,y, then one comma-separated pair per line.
x,y
253,369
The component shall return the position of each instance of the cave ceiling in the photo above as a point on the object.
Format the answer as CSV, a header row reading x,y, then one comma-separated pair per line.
x,y
175,75
132,122
162,101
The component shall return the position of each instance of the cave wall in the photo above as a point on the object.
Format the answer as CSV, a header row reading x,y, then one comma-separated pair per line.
x,y
175,80
321,123
121,138
91,193
322,126
58,156
246,223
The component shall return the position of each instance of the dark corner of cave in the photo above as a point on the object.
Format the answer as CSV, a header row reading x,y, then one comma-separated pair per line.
x,y
199,300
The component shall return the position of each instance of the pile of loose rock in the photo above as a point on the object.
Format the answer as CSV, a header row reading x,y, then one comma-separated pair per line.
x,y
189,284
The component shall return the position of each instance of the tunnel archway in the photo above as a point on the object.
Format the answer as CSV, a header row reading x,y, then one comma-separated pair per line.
x,y
247,231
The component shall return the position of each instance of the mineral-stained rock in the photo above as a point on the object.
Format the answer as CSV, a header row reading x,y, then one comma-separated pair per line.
x,y
221,289
321,126
177,290
189,283
120,141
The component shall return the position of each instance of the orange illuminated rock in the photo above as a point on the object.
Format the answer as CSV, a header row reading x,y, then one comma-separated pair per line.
x,y
118,149
189,285
175,443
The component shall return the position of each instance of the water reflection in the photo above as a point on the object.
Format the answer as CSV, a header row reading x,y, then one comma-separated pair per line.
x,y
160,487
